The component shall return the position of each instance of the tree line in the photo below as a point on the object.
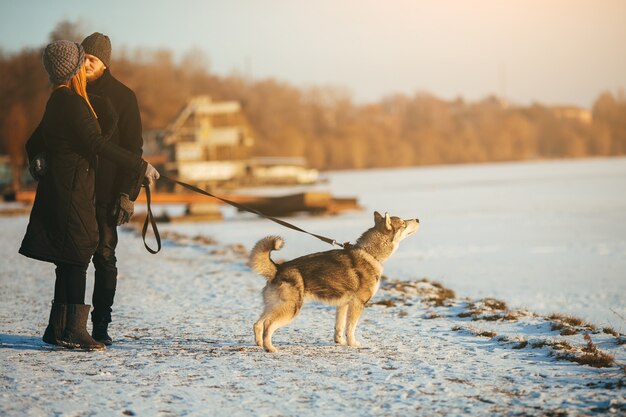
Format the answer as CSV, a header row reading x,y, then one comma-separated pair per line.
x,y
324,124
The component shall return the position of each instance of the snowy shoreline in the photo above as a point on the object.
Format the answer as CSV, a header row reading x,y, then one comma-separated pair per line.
x,y
184,346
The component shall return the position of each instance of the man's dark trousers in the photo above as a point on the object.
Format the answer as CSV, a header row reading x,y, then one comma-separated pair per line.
x,y
105,264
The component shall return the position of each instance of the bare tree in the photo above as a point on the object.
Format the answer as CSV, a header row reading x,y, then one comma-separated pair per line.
x,y
68,30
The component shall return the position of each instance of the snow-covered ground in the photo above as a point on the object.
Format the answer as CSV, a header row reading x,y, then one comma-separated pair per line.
x,y
546,236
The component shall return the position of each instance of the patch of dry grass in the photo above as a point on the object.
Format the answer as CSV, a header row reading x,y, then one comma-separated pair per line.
x,y
493,317
564,330
204,240
443,295
561,345
555,345
567,319
571,321
475,332
521,345
432,293
568,325
478,311
494,304
387,303
591,356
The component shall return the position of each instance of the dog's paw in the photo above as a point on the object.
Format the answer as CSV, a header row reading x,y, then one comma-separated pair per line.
x,y
354,344
271,349
340,341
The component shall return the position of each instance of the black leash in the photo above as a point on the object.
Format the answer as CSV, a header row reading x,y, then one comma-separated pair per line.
x,y
150,217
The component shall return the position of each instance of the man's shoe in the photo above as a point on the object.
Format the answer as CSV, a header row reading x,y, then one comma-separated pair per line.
x,y
99,333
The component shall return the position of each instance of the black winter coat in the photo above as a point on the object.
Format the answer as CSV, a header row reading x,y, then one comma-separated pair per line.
x,y
62,226
111,181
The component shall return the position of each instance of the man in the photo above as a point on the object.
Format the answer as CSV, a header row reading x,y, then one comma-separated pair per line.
x,y
113,206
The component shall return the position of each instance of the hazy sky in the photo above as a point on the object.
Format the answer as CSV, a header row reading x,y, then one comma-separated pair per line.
x,y
552,51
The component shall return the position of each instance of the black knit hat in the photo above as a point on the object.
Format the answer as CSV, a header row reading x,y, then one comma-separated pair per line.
x,y
62,60
98,45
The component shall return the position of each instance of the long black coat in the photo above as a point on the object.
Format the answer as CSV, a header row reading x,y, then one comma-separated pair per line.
x,y
110,180
62,226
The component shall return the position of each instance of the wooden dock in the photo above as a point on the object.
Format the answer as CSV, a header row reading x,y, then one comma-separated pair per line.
x,y
201,207
310,202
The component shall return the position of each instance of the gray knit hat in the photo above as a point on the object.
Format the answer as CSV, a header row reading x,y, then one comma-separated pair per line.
x,y
98,45
62,60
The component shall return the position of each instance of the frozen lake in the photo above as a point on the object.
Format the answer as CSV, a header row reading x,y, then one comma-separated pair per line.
x,y
549,235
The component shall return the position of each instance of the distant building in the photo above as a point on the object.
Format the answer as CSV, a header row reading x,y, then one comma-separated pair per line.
x,y
209,143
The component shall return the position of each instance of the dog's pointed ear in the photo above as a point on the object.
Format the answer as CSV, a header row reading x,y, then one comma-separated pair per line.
x,y
387,221
377,217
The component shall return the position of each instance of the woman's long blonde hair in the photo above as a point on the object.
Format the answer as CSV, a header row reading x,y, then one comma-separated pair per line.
x,y
78,83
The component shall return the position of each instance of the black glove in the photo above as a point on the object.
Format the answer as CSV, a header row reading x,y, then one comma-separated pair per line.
x,y
123,209
38,166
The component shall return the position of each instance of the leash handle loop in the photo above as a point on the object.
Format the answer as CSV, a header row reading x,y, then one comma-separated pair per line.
x,y
150,219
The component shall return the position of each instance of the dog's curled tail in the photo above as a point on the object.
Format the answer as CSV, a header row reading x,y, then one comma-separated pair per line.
x,y
260,260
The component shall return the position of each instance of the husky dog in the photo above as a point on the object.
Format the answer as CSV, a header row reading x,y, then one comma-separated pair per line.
x,y
347,278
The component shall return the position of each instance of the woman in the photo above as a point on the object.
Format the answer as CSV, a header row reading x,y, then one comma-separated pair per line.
x,y
62,227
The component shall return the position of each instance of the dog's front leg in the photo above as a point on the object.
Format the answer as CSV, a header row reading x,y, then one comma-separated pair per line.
x,y
268,330
355,310
340,324
258,331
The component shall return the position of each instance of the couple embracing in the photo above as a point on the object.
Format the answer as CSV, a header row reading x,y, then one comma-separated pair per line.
x,y
86,156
